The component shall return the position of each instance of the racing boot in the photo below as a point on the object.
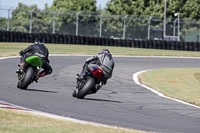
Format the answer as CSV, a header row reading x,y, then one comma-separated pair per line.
x,y
42,74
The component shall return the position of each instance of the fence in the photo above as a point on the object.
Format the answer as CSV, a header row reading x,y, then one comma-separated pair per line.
x,y
98,25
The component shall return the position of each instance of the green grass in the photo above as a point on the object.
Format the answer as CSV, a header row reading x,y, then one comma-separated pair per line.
x,y
12,49
26,122
179,83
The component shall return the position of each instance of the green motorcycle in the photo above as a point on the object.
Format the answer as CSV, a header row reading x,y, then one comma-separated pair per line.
x,y
29,72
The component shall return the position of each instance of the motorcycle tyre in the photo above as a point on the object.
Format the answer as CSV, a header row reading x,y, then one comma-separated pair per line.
x,y
86,88
27,78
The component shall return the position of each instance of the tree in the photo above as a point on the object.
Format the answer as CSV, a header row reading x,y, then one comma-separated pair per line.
x,y
191,9
69,10
134,9
126,7
74,5
3,23
187,8
21,16
155,8
43,20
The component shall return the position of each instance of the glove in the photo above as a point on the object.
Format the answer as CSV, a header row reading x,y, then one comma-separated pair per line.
x,y
21,52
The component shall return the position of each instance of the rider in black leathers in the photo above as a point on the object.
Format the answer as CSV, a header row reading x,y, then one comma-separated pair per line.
x,y
104,60
40,50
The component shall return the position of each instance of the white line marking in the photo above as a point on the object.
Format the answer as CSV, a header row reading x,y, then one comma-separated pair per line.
x,y
4,106
136,80
170,57
10,57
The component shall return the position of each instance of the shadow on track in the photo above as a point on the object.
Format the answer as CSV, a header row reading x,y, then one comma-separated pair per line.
x,y
41,90
103,100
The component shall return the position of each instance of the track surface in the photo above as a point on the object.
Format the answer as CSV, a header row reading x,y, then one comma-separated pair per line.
x,y
121,102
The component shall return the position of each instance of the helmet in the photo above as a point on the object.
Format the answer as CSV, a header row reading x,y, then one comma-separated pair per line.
x,y
39,41
104,51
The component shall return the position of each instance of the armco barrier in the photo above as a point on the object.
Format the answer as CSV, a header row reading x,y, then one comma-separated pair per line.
x,y
6,36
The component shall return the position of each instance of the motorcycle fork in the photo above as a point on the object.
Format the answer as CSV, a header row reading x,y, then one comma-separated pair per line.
x,y
23,72
81,83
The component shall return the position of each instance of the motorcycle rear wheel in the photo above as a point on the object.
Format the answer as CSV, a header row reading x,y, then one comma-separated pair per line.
x,y
86,88
29,75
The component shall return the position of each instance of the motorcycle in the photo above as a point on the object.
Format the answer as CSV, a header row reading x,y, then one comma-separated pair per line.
x,y
91,82
29,72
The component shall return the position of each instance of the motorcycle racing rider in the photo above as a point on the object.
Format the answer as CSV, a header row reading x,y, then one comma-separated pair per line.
x,y
40,50
105,61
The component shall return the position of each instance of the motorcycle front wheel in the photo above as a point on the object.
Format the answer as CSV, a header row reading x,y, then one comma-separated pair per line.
x,y
90,83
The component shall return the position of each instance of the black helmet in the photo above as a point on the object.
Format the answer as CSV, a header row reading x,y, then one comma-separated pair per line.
x,y
39,41
104,51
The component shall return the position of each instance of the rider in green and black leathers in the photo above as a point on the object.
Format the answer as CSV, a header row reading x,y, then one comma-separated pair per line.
x,y
40,50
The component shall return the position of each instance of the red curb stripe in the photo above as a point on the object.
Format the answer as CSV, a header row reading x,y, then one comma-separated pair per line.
x,y
5,104
14,108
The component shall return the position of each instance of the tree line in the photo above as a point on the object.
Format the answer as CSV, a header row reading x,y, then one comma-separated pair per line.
x,y
63,15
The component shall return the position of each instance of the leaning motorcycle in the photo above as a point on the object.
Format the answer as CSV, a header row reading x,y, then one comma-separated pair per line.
x,y
29,72
91,83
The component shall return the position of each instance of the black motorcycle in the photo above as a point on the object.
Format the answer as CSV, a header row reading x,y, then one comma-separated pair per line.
x,y
90,83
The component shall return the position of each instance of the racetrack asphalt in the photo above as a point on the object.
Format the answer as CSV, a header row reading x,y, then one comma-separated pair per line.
x,y
119,103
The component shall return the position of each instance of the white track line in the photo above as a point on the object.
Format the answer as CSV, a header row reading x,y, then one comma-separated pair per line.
x,y
169,57
2,58
136,80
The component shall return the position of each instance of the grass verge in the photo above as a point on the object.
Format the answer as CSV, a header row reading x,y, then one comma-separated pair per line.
x,y
12,49
26,122
179,83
